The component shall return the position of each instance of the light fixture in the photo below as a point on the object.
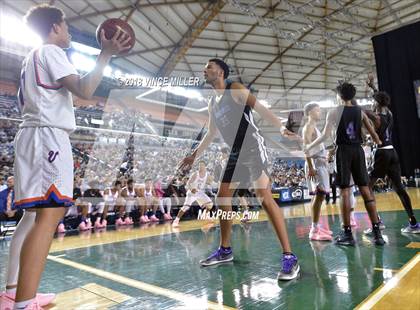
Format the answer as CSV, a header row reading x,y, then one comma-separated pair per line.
x,y
108,71
14,30
85,48
265,103
82,62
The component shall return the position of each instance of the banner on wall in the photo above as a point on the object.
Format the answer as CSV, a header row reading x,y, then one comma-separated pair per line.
x,y
290,194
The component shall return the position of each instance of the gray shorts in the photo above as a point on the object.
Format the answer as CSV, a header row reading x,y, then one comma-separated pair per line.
x,y
321,184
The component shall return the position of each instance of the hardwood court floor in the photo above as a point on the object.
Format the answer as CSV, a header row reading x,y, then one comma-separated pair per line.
x,y
157,267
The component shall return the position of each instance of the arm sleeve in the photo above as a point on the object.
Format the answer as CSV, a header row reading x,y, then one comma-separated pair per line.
x,y
57,63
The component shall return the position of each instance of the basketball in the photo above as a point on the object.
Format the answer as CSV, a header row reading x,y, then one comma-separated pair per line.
x,y
111,26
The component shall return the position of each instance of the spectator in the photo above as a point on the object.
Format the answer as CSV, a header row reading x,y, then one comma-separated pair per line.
x,y
7,199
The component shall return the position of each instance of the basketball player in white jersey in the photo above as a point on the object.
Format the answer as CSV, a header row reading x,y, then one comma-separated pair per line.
x,y
164,198
196,186
129,194
141,203
43,154
316,169
112,200
152,201
93,199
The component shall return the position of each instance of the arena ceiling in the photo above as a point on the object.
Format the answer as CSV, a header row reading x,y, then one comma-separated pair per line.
x,y
280,45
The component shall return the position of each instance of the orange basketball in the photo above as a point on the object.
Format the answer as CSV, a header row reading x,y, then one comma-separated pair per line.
x,y
110,26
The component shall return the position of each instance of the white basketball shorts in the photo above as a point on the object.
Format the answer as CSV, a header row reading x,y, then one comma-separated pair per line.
x,y
321,184
43,168
200,196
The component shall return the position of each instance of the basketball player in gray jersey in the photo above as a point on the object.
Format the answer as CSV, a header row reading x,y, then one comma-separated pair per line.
x,y
230,114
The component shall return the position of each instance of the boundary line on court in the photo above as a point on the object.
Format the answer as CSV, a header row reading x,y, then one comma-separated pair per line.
x,y
185,229
384,289
187,299
385,269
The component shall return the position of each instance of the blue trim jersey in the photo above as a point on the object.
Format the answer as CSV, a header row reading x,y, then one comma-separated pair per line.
x,y
43,100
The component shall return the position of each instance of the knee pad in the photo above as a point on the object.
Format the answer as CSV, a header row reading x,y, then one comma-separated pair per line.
x,y
185,208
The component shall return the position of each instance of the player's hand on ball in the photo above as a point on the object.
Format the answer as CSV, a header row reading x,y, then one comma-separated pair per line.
x,y
118,43
194,190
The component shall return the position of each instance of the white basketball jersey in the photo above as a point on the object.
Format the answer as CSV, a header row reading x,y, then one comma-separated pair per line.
x,y
111,198
131,194
44,102
319,150
148,193
199,182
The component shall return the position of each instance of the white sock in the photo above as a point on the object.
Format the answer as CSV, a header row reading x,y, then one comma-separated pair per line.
x,y
161,207
314,225
168,206
19,236
11,290
22,304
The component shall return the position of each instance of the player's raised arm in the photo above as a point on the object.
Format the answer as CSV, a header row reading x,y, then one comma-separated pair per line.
x,y
376,120
326,132
86,85
191,181
369,127
211,133
307,133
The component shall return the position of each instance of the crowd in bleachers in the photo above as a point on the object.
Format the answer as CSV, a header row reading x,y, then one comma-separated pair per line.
x,y
288,173
8,105
95,116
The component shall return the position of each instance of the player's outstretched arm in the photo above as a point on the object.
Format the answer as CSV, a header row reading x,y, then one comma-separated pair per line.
x,y
376,120
242,95
211,133
326,132
370,82
307,133
85,86
370,128
191,181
